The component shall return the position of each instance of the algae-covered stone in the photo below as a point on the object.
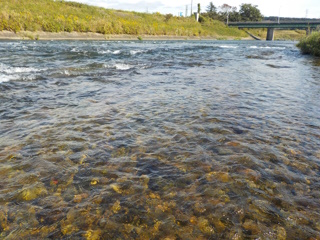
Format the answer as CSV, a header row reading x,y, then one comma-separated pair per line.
x,y
68,229
219,226
78,198
251,227
28,178
116,207
93,234
121,152
235,234
280,232
115,187
250,174
3,220
199,207
193,220
221,176
69,193
94,181
32,192
204,226
233,144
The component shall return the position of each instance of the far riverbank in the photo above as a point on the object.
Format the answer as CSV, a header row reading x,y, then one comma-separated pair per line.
x,y
27,35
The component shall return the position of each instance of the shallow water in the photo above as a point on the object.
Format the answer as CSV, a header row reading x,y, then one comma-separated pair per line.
x,y
154,140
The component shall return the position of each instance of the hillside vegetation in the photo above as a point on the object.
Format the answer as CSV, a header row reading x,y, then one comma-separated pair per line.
x,y
61,16
311,44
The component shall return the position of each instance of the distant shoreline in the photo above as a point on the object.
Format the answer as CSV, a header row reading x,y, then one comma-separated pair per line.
x,y
47,36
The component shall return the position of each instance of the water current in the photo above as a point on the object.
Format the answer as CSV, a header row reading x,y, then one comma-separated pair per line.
x,y
159,140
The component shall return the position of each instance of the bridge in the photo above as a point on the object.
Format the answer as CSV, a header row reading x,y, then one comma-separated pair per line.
x,y
271,26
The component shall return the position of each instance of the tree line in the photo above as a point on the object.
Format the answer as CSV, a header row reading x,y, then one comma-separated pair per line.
x,y
227,13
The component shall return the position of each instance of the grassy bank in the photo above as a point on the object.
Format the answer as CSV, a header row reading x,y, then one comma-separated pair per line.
x,y
311,44
60,16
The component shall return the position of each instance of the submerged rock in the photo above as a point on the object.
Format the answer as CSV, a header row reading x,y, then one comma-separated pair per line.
x,y
93,234
32,192
3,220
251,227
116,207
221,176
115,187
204,226
78,198
280,232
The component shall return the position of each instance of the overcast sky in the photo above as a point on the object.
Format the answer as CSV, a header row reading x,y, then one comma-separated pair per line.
x,y
287,8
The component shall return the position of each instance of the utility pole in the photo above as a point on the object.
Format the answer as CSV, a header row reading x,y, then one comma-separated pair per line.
x,y
279,15
186,10
191,7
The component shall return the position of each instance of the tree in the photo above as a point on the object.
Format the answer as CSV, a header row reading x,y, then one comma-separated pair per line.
x,y
199,8
211,8
250,13
211,12
225,9
234,15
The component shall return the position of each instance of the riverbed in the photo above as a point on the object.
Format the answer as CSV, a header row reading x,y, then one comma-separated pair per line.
x,y
159,140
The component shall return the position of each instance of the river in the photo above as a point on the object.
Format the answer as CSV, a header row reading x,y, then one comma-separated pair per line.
x,y
159,140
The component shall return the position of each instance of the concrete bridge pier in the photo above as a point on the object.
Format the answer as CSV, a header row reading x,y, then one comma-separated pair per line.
x,y
270,34
309,31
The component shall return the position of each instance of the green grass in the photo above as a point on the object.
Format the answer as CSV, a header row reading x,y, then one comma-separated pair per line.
x,y
311,44
61,16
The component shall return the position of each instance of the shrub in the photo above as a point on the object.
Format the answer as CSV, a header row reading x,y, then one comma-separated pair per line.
x,y
3,25
168,17
202,19
310,44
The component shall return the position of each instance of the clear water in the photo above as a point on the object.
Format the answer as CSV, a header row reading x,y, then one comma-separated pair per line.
x,y
155,140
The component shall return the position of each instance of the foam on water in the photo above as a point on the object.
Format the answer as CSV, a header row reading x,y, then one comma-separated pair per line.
x,y
228,46
116,52
4,78
12,70
134,52
121,66
267,47
104,52
8,73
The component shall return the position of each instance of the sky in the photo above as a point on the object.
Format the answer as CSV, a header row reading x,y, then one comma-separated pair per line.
x,y
286,8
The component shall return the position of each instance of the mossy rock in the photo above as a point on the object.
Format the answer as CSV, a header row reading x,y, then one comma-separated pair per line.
x,y
32,192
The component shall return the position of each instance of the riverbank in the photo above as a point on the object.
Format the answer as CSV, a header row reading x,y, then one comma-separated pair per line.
x,y
38,20
47,36
311,44
68,17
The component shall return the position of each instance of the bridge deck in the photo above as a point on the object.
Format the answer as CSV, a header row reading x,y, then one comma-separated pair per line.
x,y
281,25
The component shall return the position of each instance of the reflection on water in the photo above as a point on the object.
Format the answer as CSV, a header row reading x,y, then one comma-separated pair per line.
x,y
155,140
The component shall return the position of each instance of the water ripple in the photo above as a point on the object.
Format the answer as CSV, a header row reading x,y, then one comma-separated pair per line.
x,y
159,140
